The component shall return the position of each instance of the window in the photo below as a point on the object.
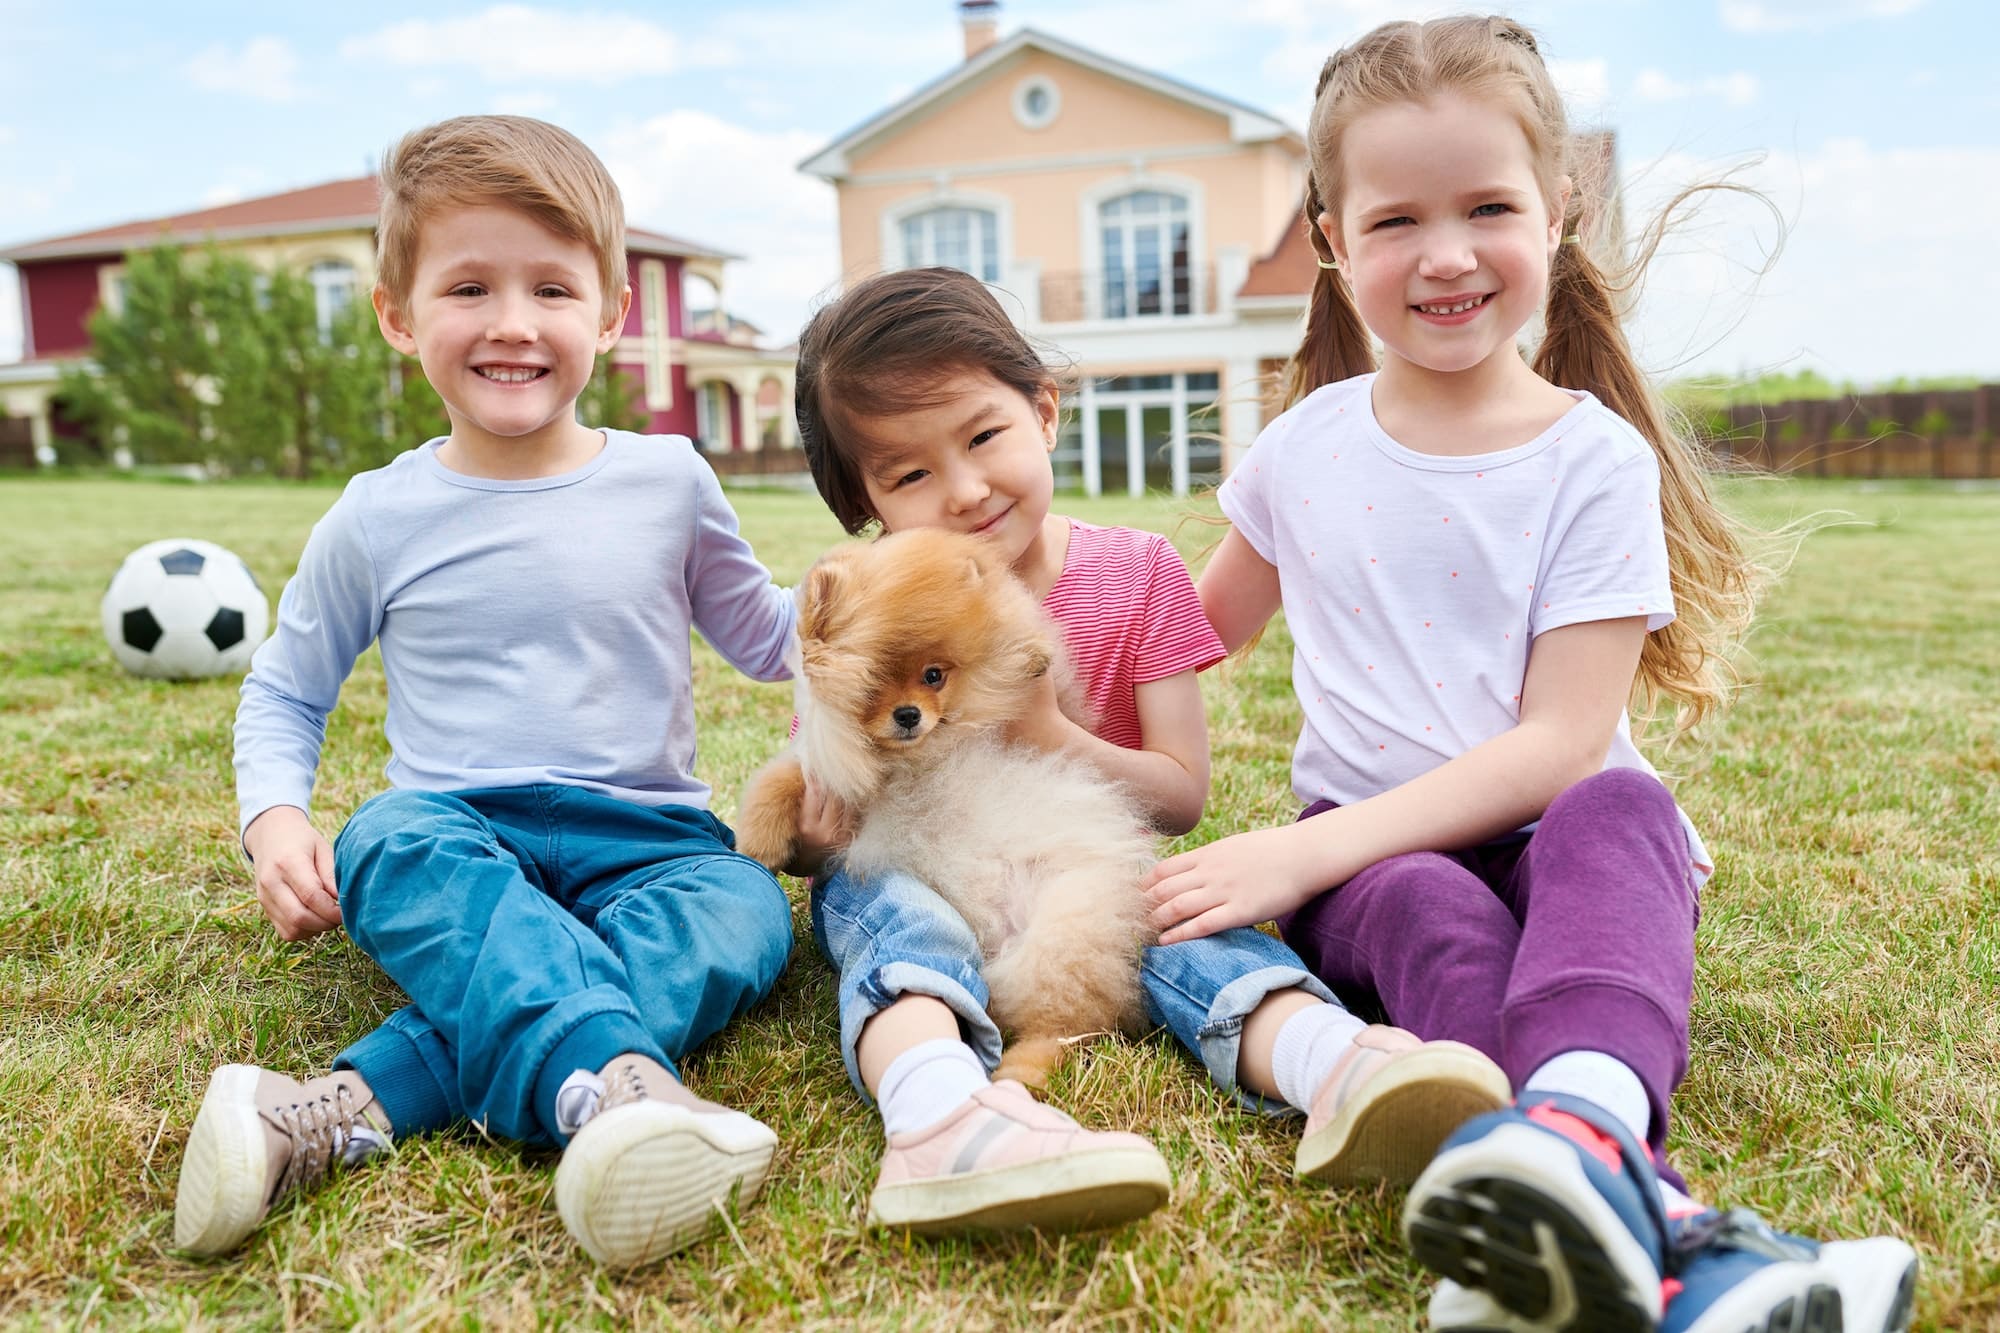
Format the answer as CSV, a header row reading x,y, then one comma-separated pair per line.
x,y
333,291
701,305
962,238
1036,103
1147,269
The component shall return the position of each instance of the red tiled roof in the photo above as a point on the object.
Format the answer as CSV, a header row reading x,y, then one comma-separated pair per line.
x,y
1288,270
334,205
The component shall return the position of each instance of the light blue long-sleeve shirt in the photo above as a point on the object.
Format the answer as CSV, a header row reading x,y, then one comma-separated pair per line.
x,y
532,631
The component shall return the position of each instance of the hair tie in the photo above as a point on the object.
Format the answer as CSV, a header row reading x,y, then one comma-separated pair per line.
x,y
1572,239
1326,263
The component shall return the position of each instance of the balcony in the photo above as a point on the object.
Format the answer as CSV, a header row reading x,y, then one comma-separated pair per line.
x,y
1127,296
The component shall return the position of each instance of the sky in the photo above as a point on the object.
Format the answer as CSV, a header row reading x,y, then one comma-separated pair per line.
x,y
1871,129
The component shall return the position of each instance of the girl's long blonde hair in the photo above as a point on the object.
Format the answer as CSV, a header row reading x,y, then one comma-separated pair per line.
x,y
1686,668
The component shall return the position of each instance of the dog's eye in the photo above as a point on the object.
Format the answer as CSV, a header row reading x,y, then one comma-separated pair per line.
x,y
933,676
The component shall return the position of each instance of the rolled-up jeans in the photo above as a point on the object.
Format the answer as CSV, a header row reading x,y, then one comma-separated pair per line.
x,y
895,935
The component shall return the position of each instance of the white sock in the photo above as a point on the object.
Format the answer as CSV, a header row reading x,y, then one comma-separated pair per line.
x,y
1602,1079
926,1083
1309,1044
1676,1203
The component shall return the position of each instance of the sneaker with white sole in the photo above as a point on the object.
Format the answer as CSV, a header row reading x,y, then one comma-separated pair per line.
x,y
653,1166
1002,1161
1553,1209
1389,1102
260,1135
1733,1274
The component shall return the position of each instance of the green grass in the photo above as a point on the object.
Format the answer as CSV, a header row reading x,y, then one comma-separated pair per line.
x,y
1846,1031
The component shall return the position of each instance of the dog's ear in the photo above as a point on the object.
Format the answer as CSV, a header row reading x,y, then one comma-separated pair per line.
x,y
820,598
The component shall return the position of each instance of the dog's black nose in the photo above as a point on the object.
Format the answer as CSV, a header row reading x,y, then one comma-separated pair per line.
x,y
908,716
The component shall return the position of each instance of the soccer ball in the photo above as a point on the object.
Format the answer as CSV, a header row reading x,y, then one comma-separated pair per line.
x,y
182,608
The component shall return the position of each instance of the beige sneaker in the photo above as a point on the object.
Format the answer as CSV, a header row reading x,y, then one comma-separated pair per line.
x,y
1389,1103
654,1165
1003,1161
260,1134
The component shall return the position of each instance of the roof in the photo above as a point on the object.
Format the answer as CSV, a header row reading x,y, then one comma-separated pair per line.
x,y
1288,271
334,206
1246,123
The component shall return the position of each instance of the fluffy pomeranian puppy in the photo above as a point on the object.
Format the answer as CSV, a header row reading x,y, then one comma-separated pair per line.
x,y
914,653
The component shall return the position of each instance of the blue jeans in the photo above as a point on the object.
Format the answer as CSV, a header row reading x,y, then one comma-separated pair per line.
x,y
895,936
539,931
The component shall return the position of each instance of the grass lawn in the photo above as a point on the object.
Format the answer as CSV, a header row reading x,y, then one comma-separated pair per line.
x,y
1846,1032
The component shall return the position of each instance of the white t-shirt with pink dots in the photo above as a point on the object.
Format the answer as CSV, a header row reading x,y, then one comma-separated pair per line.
x,y
1414,583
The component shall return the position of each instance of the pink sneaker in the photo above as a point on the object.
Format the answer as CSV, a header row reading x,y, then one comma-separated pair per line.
x,y
1003,1161
1389,1103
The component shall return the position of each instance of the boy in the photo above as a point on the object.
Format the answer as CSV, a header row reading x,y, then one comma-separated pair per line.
x,y
543,879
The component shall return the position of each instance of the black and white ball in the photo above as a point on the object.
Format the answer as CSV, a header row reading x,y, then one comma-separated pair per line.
x,y
182,608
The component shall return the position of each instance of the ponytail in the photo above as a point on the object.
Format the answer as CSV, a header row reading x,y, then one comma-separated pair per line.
x,y
1685,667
1336,345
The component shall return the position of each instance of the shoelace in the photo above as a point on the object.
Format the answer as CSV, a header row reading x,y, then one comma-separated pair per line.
x,y
320,1130
1737,1229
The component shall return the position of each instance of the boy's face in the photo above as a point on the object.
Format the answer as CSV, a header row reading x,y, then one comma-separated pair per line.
x,y
507,318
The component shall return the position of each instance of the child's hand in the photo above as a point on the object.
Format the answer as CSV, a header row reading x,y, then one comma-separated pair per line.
x,y
1236,881
294,873
825,826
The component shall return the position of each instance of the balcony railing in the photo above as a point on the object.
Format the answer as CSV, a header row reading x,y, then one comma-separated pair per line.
x,y
1174,293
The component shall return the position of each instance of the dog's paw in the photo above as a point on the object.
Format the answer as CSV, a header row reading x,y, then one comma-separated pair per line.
x,y
767,828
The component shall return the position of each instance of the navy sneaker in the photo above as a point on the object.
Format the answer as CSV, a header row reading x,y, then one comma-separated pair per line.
x,y
1551,1208
1735,1273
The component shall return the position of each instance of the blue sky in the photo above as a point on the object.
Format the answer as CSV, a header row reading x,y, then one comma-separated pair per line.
x,y
1877,123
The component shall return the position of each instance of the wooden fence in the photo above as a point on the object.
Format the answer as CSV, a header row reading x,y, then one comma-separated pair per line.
x,y
1943,433
769,461
17,442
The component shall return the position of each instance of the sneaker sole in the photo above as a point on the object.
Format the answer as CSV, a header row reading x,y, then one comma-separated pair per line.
x,y
219,1199
1075,1192
1412,1106
1782,1298
1514,1214
645,1179
1880,1290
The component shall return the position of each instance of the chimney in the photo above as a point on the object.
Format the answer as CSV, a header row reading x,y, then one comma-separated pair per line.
x,y
981,21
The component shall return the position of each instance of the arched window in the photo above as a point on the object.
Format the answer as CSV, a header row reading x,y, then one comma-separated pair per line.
x,y
333,291
962,238
701,305
1147,267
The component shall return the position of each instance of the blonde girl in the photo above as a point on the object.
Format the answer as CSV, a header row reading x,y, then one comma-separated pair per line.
x,y
1481,557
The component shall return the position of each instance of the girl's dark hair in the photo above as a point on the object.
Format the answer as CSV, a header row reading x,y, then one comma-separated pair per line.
x,y
882,348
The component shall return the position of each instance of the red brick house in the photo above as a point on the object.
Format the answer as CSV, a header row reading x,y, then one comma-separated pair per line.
x,y
700,370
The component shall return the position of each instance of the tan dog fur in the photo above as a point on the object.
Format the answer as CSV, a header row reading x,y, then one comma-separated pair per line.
x,y
1039,854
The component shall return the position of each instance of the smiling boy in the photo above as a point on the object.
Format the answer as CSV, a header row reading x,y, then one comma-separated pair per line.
x,y
544,879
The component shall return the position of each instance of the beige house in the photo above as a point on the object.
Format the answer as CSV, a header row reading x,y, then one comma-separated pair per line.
x,y
1145,228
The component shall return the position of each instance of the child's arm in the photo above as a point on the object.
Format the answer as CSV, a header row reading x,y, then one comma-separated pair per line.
x,y
744,615
1169,775
1578,680
328,614
1239,591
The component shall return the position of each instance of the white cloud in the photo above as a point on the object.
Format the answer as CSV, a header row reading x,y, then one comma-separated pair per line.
x,y
1584,84
522,42
693,175
1794,15
525,103
1738,88
1872,281
265,68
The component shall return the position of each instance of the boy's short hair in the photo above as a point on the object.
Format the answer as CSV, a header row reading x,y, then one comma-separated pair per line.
x,y
520,162
885,346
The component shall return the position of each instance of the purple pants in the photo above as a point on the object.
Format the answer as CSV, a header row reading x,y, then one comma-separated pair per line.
x,y
1579,937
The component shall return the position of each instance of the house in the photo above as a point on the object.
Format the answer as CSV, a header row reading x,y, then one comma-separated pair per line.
x,y
700,370
1147,229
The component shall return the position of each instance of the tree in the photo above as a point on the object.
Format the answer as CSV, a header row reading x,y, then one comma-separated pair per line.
x,y
212,360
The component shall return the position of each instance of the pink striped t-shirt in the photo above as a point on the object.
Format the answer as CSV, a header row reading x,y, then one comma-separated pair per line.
x,y
1129,613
